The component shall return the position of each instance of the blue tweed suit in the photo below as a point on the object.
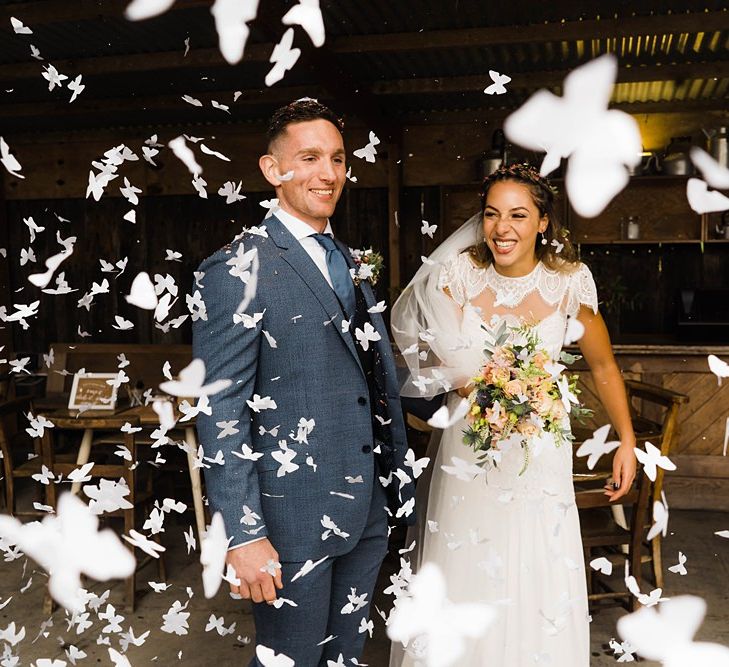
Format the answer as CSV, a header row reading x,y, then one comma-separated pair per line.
x,y
313,372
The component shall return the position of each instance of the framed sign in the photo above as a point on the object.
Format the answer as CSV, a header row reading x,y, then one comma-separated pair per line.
x,y
91,391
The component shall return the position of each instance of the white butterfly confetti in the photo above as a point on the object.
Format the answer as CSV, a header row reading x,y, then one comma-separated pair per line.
x,y
231,19
702,200
285,458
283,58
231,192
369,151
602,564
429,614
69,544
680,567
185,154
308,15
138,10
652,459
190,383
599,143
213,550
595,446
427,229
718,367
497,87
443,419
19,28
268,658
366,335
667,634
8,160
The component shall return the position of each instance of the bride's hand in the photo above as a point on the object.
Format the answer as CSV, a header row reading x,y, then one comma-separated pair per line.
x,y
464,392
624,467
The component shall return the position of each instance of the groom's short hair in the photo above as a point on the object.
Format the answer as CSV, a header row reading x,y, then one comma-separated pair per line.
x,y
299,112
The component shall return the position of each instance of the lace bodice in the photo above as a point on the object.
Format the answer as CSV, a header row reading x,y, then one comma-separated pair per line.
x,y
543,298
568,289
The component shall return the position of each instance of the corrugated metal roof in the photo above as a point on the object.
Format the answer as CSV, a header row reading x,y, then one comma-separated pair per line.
x,y
99,42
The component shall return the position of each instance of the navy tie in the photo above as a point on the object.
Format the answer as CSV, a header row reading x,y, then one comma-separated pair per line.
x,y
339,273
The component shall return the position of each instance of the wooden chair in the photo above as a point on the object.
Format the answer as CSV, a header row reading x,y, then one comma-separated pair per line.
x,y
663,434
22,457
90,425
603,526
601,530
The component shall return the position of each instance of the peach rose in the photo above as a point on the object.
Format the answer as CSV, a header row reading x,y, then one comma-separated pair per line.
x,y
540,359
500,376
496,417
544,403
515,388
503,357
558,412
527,429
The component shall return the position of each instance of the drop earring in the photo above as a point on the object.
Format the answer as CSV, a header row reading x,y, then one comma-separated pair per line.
x,y
544,238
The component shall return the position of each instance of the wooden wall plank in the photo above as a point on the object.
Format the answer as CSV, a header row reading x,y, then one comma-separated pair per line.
x,y
701,421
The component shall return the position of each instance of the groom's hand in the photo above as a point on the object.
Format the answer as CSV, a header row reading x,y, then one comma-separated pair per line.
x,y
250,562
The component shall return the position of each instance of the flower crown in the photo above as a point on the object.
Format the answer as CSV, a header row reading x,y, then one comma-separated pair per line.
x,y
521,172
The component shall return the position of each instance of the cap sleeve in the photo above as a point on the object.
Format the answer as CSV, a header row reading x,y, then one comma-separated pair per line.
x,y
452,277
582,291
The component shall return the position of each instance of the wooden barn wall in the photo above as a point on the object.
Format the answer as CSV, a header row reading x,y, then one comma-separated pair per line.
x,y
192,226
440,172
700,481
436,152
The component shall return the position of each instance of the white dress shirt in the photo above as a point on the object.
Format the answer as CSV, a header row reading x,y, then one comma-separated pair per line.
x,y
303,233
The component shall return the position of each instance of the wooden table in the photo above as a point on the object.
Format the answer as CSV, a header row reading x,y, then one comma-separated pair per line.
x,y
147,418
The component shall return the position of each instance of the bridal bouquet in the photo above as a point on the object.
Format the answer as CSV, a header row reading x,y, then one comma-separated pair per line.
x,y
520,396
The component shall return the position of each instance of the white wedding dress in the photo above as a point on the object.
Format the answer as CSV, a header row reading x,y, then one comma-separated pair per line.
x,y
508,539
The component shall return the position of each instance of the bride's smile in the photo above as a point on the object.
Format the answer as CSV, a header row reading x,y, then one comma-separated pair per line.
x,y
511,222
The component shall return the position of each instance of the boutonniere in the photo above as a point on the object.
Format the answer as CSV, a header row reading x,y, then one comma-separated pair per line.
x,y
368,265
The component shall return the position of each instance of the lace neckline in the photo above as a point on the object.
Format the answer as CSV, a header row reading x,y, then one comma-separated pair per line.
x,y
511,290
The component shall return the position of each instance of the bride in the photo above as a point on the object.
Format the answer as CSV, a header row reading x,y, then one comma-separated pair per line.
x,y
509,536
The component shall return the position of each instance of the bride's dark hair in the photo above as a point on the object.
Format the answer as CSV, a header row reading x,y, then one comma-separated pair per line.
x,y
543,196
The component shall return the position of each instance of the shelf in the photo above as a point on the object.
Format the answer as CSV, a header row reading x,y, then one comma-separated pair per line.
x,y
640,242
716,241
659,177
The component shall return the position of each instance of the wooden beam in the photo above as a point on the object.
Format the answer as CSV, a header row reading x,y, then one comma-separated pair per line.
x,y
6,286
384,43
353,105
676,106
394,185
134,62
82,107
41,12
568,31
550,79
57,11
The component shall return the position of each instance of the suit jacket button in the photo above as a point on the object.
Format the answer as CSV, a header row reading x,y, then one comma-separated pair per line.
x,y
362,400
366,449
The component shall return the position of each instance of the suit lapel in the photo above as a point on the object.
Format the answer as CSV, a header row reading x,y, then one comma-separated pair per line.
x,y
298,259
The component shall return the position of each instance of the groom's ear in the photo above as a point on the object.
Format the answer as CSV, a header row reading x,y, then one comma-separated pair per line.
x,y
269,169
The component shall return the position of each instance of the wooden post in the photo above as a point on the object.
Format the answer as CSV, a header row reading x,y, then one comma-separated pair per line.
x,y
394,183
6,289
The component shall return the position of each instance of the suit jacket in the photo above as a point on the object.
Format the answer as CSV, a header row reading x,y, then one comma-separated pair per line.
x,y
311,371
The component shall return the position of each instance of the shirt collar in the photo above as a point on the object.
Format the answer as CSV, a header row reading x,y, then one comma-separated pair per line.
x,y
298,228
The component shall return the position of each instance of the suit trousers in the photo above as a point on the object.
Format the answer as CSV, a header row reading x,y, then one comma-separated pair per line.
x,y
322,595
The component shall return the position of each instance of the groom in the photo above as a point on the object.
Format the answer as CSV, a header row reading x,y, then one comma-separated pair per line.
x,y
312,418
